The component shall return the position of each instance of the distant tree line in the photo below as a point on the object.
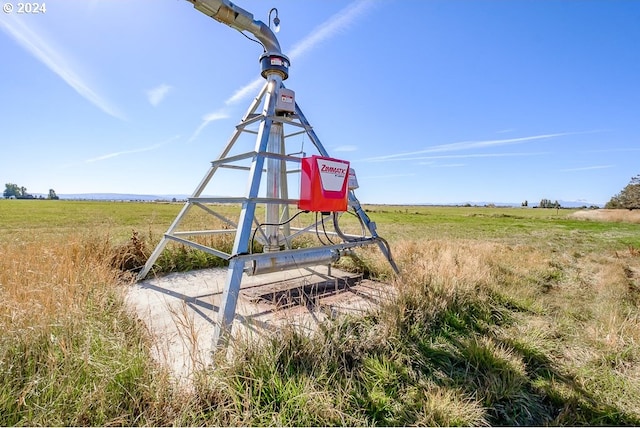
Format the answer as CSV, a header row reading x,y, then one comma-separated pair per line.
x,y
628,198
20,192
547,203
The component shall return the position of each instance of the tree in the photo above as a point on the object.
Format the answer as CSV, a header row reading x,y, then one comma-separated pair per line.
x,y
52,194
628,198
11,190
546,203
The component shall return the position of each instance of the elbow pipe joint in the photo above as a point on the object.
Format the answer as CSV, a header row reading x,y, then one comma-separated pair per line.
x,y
235,17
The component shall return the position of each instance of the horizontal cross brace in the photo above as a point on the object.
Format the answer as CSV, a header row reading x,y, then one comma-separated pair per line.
x,y
239,200
200,247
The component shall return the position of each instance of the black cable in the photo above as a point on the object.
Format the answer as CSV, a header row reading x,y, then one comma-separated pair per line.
x,y
317,232
253,40
325,231
253,235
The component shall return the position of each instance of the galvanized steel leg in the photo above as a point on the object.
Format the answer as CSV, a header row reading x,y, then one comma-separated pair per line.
x,y
222,331
200,188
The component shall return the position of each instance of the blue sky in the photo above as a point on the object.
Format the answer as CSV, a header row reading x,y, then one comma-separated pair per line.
x,y
431,101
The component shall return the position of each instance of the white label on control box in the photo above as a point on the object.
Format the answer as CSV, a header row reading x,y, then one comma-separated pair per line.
x,y
332,174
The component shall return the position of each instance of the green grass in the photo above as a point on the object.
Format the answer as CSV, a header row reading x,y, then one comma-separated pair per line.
x,y
504,316
513,225
93,370
61,216
394,222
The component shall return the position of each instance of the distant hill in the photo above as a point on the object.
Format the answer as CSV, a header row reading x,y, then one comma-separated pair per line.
x,y
578,204
121,197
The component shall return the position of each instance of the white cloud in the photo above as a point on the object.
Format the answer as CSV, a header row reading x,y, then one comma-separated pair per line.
x,y
466,145
45,52
240,94
127,152
216,115
157,94
338,22
465,156
587,168
324,31
628,149
448,165
206,120
345,148
247,90
387,176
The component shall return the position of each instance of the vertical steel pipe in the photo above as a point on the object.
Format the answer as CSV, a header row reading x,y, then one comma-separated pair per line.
x,y
273,187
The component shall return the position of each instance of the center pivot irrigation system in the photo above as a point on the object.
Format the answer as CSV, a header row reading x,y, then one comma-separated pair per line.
x,y
326,184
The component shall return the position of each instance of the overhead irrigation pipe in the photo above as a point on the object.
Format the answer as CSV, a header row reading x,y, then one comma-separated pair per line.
x,y
235,17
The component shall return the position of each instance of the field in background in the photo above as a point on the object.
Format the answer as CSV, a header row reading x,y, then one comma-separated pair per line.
x,y
505,316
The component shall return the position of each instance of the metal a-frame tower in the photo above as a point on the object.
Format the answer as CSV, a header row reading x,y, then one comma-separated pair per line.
x,y
278,114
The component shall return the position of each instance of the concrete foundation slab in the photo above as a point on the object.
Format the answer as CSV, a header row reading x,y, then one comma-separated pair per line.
x,y
180,309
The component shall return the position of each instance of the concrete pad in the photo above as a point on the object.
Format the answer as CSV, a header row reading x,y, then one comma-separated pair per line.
x,y
180,309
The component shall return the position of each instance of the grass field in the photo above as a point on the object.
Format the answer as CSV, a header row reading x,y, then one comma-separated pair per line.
x,y
504,316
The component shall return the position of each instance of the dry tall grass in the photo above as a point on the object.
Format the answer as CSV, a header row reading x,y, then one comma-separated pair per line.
x,y
618,216
43,280
581,312
70,352
480,333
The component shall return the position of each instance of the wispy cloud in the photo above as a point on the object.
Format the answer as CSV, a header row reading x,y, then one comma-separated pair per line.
x,y
206,120
345,148
433,164
465,145
157,94
44,51
386,176
128,152
332,26
465,156
628,149
448,165
247,90
587,168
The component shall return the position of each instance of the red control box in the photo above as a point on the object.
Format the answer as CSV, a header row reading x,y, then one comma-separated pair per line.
x,y
323,184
